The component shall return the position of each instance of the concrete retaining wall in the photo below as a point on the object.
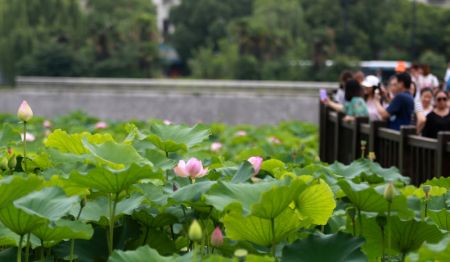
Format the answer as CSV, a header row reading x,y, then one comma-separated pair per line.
x,y
183,101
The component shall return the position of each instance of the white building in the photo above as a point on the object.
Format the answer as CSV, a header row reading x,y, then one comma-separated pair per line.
x,y
163,10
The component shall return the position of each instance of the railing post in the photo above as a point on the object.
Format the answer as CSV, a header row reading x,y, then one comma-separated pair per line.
x,y
337,135
323,118
356,143
405,156
373,135
442,156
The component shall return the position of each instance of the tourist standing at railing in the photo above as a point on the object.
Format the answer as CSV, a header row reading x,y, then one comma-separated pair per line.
x,y
426,100
339,97
371,85
401,108
439,118
354,106
428,80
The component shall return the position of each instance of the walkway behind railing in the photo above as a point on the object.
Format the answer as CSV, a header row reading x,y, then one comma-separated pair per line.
x,y
417,157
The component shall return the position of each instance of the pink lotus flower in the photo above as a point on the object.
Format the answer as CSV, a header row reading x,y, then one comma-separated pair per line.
x,y
101,125
47,124
167,122
193,169
241,133
28,136
256,162
217,238
274,140
216,146
24,112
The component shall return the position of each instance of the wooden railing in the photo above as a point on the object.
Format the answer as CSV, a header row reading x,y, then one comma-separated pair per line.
x,y
417,157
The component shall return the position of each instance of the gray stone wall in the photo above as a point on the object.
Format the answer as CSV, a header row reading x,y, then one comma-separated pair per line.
x,y
181,101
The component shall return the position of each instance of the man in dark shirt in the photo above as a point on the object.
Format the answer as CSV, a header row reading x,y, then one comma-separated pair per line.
x,y
400,110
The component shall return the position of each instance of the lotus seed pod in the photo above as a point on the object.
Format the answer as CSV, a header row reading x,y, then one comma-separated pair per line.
x,y
195,231
389,192
240,253
24,112
371,156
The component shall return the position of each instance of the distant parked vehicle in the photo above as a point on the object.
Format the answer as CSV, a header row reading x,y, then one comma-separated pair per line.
x,y
382,69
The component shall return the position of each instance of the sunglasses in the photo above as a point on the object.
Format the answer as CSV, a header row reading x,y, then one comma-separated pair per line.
x,y
441,99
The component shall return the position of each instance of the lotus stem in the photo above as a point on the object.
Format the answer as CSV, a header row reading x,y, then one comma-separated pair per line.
x,y
388,225
72,241
360,222
24,160
19,249
42,251
272,222
426,208
27,249
112,213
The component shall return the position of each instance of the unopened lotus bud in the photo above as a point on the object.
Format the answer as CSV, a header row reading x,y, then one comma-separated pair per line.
x,y
4,163
217,238
426,189
389,192
12,162
24,112
371,156
195,231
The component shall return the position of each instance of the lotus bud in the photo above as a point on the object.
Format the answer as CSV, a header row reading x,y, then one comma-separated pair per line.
x,y
12,162
24,112
426,189
371,156
256,162
28,137
216,146
195,231
241,133
389,192
47,124
217,238
101,125
4,163
274,140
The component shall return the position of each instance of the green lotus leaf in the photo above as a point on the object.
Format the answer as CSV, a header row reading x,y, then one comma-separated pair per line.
x,y
406,236
432,252
259,230
441,218
109,180
439,181
8,135
7,237
115,154
70,188
62,229
369,171
224,194
150,218
51,203
72,143
19,221
171,138
14,187
97,208
367,198
278,198
244,173
191,193
272,165
338,247
153,194
316,202
144,253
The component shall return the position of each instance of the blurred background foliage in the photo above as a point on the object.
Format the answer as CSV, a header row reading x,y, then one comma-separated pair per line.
x,y
226,39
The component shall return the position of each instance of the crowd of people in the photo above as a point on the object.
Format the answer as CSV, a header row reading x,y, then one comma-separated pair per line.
x,y
413,96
